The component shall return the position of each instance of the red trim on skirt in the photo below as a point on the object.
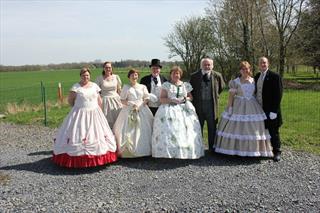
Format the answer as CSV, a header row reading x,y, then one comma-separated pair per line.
x,y
83,161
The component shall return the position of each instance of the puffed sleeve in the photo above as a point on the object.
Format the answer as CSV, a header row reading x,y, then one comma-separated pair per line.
x,y
145,93
97,88
166,86
119,81
99,80
232,86
124,92
188,87
75,87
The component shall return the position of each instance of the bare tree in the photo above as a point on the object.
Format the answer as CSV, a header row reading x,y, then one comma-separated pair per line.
x,y
225,49
261,6
191,40
306,42
241,31
286,15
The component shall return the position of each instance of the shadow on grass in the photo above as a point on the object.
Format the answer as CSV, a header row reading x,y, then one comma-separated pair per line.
x,y
46,166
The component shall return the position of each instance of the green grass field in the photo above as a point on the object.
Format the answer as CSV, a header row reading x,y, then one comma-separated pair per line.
x,y
300,108
304,76
301,115
24,87
16,80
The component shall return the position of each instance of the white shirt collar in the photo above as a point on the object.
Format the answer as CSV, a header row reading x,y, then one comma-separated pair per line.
x,y
263,73
159,80
158,77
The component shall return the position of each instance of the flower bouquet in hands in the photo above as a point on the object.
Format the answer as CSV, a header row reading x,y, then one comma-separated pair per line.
x,y
175,101
134,114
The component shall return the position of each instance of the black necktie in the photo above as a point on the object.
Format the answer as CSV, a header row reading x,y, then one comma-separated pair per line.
x,y
155,80
206,78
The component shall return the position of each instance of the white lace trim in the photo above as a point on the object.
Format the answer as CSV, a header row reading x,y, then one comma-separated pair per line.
x,y
252,117
244,97
237,80
247,88
244,137
245,153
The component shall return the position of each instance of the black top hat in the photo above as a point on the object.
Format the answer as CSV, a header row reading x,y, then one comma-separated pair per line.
x,y
155,62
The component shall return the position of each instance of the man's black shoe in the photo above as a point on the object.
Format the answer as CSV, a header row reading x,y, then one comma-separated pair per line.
x,y
277,157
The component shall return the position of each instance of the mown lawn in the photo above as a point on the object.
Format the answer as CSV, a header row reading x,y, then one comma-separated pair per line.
x,y
305,75
301,115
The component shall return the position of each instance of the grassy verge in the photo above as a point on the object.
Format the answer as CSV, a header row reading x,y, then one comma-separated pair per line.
x,y
304,79
301,115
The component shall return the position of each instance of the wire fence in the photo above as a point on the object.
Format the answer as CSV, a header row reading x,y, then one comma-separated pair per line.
x,y
296,105
33,98
33,94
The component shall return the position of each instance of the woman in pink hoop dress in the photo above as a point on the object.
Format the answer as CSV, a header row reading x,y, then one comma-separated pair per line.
x,y
84,138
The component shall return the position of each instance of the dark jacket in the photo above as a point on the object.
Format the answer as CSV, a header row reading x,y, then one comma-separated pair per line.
x,y
271,97
217,87
146,80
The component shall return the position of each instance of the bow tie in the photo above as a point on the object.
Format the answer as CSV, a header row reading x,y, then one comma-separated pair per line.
x,y
155,80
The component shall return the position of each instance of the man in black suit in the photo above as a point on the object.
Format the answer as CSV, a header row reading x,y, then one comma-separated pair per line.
x,y
153,83
207,85
269,94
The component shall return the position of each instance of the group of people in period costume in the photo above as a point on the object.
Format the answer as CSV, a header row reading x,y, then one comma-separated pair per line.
x,y
165,118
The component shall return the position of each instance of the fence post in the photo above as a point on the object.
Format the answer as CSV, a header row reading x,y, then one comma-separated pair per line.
x,y
41,89
60,97
43,95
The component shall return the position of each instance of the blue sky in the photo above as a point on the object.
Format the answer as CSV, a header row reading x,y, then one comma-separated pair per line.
x,y
56,31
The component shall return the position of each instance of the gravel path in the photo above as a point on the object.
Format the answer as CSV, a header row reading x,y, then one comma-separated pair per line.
x,y
30,182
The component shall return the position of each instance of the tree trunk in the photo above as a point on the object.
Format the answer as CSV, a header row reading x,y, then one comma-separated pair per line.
x,y
282,55
293,69
246,42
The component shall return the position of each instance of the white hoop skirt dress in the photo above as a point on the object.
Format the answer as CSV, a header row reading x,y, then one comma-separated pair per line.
x,y
133,127
176,128
84,138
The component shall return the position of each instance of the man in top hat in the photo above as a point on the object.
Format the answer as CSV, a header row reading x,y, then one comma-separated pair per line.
x,y
153,83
